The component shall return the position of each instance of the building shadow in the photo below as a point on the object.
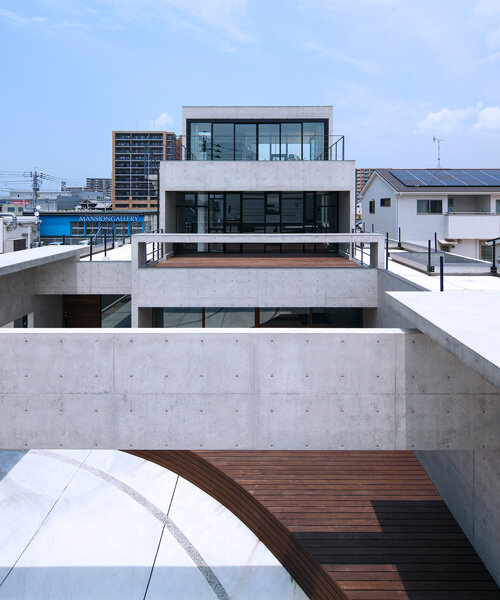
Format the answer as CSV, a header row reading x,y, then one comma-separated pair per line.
x,y
415,551
9,459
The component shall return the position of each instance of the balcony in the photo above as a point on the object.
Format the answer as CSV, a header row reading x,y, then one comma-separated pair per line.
x,y
472,225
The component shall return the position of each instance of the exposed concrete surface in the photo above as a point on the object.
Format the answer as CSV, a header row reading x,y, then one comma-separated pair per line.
x,y
11,262
90,524
264,175
469,482
468,325
240,388
84,277
250,287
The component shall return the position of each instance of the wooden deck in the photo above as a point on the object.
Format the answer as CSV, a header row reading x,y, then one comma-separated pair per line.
x,y
258,262
346,525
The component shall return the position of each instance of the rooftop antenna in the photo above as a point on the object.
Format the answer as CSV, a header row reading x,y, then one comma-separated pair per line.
x,y
435,139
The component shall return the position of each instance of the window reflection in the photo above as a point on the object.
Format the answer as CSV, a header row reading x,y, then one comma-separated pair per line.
x,y
258,141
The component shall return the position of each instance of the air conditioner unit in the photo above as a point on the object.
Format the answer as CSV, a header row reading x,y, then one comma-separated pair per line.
x,y
14,244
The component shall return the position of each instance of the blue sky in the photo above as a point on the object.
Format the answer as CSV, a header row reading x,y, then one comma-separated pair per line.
x,y
396,72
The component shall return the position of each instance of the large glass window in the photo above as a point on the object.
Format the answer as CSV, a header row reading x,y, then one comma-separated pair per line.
x,y
269,141
217,140
253,212
291,141
256,212
223,141
201,141
245,138
314,141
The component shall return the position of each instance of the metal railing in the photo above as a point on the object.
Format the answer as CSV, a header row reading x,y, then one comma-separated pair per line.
x,y
268,148
150,248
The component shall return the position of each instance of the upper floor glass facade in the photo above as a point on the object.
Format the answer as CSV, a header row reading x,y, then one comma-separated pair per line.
x,y
257,140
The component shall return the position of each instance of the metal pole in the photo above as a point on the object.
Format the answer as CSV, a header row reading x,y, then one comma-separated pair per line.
x,y
64,239
494,258
91,243
441,273
105,242
362,245
387,251
435,242
399,237
430,268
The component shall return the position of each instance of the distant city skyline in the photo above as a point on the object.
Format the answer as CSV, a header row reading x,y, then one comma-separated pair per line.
x,y
396,72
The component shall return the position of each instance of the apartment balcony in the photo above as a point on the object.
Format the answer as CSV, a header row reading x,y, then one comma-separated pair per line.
x,y
472,225
270,270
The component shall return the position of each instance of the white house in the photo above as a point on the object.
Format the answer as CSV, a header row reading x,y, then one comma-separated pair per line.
x,y
461,206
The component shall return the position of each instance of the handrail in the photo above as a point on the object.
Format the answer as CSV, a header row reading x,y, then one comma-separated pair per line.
x,y
481,213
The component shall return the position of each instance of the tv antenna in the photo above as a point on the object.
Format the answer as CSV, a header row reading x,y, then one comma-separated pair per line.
x,y
435,139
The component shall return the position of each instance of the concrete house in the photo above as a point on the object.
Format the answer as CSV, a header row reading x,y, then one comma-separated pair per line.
x,y
461,206
342,412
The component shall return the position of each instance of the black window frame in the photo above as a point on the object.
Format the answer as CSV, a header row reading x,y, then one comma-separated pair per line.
x,y
385,202
371,207
235,122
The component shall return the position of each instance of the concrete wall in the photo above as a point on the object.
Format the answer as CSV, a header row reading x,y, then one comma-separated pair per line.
x,y
469,482
254,176
233,388
17,298
83,277
306,287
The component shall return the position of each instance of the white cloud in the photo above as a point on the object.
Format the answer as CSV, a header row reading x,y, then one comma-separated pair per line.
x,y
472,118
340,56
162,121
486,8
448,120
488,119
12,18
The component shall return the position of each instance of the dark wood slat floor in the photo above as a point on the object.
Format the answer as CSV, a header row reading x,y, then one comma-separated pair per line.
x,y
347,525
246,262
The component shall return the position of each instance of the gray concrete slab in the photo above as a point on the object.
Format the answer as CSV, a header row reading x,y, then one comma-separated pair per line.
x,y
466,324
11,262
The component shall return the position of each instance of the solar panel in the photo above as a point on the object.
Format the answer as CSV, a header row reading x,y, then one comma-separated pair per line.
x,y
447,177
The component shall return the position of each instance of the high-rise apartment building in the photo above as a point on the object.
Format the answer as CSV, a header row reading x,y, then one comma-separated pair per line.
x,y
136,159
99,184
362,176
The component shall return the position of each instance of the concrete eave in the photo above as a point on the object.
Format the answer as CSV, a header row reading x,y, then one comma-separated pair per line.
x,y
11,262
465,324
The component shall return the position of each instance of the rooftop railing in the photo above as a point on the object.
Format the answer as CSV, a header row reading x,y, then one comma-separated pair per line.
x,y
318,147
150,248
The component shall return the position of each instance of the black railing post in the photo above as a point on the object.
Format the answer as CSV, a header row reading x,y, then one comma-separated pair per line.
x,y
64,239
362,246
441,273
435,242
430,268
399,237
91,243
105,243
493,258
387,251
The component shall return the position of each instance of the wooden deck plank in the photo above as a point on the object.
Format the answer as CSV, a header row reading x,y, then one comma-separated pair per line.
x,y
256,262
347,525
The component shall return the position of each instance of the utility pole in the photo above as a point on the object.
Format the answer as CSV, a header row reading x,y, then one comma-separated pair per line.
x,y
435,139
35,178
